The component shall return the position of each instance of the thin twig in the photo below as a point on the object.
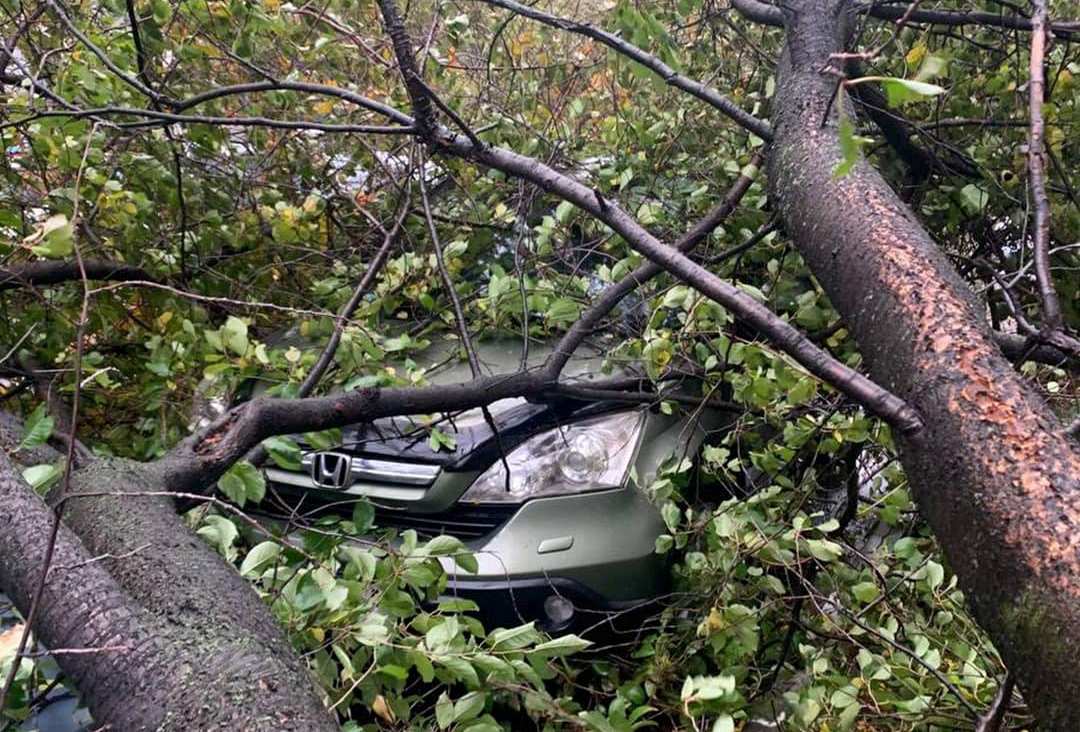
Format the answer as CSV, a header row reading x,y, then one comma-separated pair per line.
x,y
995,714
1053,320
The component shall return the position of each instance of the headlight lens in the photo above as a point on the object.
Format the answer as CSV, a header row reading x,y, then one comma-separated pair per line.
x,y
583,456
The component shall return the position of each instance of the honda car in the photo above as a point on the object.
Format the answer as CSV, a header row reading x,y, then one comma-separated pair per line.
x,y
552,502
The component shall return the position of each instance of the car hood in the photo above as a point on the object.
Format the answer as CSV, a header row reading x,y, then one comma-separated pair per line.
x,y
516,419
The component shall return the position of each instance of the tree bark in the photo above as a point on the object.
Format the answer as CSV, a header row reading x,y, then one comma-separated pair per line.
x,y
992,471
182,640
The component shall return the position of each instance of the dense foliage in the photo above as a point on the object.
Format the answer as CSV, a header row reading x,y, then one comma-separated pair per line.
x,y
804,578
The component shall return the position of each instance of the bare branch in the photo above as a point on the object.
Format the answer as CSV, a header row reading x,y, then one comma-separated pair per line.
x,y
1036,160
209,120
297,86
991,720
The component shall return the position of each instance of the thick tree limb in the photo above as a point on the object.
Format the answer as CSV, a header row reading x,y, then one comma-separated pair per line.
x,y
992,472
621,46
158,117
1016,347
166,670
39,274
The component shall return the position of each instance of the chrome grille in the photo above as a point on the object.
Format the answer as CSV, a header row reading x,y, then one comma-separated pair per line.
x,y
463,520
380,471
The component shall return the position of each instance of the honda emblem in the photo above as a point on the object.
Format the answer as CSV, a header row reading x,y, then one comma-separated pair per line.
x,y
331,470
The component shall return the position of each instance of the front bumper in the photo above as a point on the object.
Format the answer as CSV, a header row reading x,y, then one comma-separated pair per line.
x,y
596,550
555,604
567,562
603,541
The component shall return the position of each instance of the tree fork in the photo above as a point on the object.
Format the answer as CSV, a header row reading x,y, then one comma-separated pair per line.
x,y
992,472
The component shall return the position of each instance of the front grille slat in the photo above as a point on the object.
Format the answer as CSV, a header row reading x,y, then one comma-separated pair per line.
x,y
462,520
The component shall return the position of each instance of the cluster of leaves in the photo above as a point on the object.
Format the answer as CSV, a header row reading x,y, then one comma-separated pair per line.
x,y
385,637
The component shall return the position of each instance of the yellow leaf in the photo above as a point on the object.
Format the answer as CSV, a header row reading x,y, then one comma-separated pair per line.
x,y
380,707
916,54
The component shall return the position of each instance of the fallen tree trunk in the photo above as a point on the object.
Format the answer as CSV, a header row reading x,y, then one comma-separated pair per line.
x,y
161,634
992,471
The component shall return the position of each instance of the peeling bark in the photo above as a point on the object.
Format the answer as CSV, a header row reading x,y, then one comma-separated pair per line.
x,y
992,471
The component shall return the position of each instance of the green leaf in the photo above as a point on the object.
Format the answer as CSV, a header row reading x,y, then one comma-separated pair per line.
x,y
220,532
41,476
324,440
438,440
563,310
442,546
235,335
284,452
850,148
243,482
562,646
512,639
824,550
671,515
469,706
974,198
363,516
260,555
865,591
705,688
467,561
899,91
441,636
724,723
935,575
444,711
460,669
55,239
161,10
39,427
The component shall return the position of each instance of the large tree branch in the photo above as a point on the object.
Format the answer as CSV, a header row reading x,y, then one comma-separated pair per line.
x,y
39,274
153,668
992,473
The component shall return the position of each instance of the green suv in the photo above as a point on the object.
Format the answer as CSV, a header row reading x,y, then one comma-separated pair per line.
x,y
565,538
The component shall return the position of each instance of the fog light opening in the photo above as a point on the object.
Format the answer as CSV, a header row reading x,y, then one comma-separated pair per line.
x,y
559,612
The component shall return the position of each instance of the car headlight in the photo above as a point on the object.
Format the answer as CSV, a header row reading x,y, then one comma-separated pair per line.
x,y
574,458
